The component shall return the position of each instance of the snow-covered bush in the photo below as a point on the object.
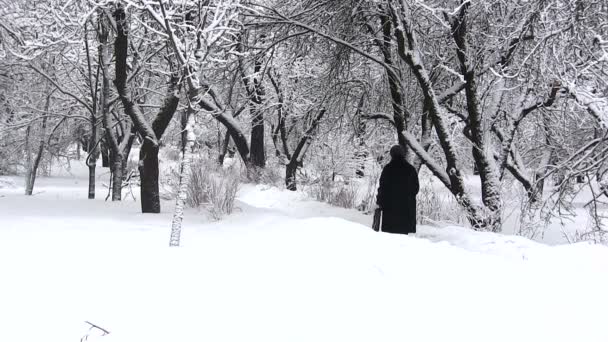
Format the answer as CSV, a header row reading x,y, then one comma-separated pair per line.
x,y
592,234
7,183
435,206
338,193
369,192
271,175
345,196
212,188
7,164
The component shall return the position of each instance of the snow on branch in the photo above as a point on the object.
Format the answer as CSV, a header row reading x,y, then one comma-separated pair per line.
x,y
595,105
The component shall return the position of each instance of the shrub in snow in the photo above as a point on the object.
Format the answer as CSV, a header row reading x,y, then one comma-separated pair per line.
x,y
320,190
345,196
212,188
369,192
434,206
7,184
595,230
339,193
592,234
8,162
268,175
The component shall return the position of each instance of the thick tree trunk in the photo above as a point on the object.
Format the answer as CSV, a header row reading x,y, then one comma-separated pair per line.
x,y
148,174
151,133
117,172
258,150
92,167
290,176
114,142
490,185
148,155
105,158
105,155
256,96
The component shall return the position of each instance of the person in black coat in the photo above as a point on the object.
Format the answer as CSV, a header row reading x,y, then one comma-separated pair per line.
x,y
397,194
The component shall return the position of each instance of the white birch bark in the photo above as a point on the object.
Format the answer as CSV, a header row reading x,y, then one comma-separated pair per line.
x,y
184,180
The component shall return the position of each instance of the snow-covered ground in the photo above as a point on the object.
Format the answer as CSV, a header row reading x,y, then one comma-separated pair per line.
x,y
282,268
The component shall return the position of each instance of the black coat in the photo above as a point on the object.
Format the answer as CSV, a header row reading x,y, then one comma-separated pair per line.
x,y
397,197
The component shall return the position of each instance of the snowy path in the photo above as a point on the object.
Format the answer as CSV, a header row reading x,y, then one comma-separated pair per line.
x,y
281,269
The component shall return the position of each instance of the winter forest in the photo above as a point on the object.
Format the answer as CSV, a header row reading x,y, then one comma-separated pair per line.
x,y
253,136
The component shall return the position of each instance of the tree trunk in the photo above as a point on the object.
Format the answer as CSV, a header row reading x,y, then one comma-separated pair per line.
x,y
258,151
236,134
298,154
227,142
280,131
148,175
126,151
256,95
290,176
184,173
224,149
92,162
33,166
28,159
400,115
452,178
105,155
92,167
426,138
117,171
93,155
360,131
548,154
490,185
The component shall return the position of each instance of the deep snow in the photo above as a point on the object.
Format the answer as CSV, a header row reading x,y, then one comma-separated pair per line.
x,y
282,268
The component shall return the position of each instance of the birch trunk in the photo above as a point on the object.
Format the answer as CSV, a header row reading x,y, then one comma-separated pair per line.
x,y
184,175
